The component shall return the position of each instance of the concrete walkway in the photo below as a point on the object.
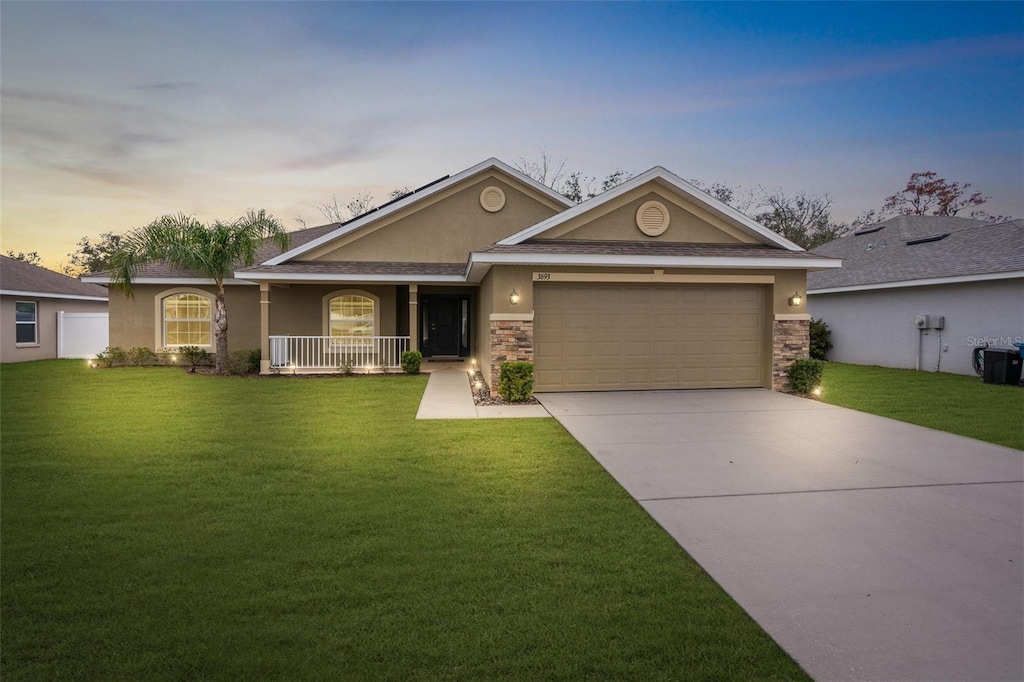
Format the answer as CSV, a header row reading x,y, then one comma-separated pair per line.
x,y
448,396
869,549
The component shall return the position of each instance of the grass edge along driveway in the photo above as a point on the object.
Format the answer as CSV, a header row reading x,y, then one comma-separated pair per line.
x,y
954,403
164,525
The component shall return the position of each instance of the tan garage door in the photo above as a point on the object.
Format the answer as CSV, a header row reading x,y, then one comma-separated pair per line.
x,y
598,337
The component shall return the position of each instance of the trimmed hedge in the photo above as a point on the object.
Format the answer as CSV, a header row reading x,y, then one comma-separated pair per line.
x,y
805,375
515,381
411,361
821,339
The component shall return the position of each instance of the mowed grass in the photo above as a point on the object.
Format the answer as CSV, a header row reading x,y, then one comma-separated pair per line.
x,y
160,525
948,402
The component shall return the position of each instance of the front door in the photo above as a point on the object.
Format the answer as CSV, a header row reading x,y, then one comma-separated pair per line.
x,y
445,325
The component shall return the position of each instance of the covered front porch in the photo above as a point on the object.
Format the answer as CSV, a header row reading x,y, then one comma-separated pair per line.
x,y
349,327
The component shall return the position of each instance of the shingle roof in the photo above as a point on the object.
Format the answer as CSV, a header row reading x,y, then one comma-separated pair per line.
x,y
883,255
17,275
623,248
360,268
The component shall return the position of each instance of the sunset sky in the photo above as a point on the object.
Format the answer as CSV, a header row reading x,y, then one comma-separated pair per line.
x,y
116,113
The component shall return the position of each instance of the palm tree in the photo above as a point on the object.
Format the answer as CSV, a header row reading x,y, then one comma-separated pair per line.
x,y
213,250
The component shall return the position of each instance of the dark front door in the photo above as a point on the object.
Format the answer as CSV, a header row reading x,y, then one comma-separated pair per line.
x,y
445,325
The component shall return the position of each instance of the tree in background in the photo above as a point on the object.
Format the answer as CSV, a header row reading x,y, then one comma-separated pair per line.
x,y
92,257
928,194
803,218
398,193
573,185
213,250
32,257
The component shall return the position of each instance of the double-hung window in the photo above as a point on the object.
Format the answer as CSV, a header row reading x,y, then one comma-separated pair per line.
x,y
26,322
187,320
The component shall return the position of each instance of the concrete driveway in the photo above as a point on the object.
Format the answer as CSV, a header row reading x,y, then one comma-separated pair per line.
x,y
868,548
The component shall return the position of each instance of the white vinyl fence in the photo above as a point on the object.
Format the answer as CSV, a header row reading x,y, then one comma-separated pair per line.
x,y
82,335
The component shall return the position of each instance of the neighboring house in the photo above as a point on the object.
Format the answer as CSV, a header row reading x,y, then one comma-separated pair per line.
x,y
966,272
48,315
653,284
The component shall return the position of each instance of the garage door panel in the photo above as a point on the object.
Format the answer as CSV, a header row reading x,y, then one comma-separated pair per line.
x,y
606,337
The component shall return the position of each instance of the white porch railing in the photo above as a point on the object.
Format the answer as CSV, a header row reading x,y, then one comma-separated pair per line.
x,y
360,353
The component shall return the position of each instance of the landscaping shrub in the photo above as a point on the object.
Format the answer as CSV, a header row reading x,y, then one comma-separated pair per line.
x,y
196,356
111,355
140,355
244,361
411,361
805,375
515,381
821,339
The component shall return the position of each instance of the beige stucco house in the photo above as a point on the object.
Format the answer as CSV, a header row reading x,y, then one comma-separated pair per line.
x,y
653,284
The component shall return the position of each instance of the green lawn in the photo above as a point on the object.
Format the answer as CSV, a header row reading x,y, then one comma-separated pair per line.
x,y
161,525
949,402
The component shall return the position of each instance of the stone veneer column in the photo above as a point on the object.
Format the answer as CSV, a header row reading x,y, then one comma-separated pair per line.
x,y
510,340
791,339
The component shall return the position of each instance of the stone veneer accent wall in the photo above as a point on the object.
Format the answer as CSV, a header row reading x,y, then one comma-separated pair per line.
x,y
791,339
510,340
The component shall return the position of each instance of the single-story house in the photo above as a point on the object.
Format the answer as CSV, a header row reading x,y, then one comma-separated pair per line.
x,y
48,315
922,292
653,284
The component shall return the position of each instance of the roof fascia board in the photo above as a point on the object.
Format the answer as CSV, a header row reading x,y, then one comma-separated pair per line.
x,y
960,279
673,181
327,277
489,164
40,294
655,261
184,281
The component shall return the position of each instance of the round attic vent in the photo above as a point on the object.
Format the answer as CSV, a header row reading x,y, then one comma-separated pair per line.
x,y
652,218
492,199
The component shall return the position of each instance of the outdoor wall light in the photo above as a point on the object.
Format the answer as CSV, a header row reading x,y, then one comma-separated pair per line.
x,y
796,299
513,297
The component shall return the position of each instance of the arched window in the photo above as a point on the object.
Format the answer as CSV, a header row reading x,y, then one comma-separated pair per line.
x,y
352,317
187,320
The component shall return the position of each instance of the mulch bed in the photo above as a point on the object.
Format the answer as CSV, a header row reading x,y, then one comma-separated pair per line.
x,y
482,395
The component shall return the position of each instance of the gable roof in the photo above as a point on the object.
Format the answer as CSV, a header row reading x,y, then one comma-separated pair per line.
x,y
18,278
413,198
673,182
919,250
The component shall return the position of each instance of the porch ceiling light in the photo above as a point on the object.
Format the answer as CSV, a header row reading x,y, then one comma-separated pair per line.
x,y
513,297
796,299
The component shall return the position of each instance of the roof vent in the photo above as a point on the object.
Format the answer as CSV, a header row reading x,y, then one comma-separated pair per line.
x,y
868,230
652,218
492,199
925,240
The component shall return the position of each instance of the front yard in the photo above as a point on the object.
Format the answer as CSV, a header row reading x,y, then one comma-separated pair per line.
x,y
164,525
948,402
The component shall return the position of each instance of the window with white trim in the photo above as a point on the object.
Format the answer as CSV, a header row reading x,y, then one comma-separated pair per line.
x,y
187,320
351,316
26,322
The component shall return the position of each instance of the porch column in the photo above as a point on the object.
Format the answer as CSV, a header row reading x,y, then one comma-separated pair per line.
x,y
264,327
414,317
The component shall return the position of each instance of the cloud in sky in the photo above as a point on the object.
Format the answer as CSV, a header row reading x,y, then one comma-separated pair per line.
x,y
116,113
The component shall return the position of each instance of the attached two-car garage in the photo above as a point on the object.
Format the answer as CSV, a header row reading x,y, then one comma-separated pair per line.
x,y
600,337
